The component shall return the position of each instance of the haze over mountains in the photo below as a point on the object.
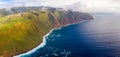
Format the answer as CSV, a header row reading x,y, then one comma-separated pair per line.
x,y
79,5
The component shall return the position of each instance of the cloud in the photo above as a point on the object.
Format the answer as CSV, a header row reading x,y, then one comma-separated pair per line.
x,y
83,5
96,6
56,3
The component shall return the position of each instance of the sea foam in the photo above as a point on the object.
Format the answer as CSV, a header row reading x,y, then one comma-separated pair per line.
x,y
44,41
36,48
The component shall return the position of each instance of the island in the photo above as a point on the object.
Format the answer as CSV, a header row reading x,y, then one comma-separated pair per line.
x,y
23,28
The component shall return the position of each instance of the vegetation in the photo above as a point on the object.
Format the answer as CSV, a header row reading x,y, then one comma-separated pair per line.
x,y
20,32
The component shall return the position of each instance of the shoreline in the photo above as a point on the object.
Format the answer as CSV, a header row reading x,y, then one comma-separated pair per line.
x,y
43,43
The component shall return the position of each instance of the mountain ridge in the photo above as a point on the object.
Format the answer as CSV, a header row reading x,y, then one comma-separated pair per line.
x,y
24,30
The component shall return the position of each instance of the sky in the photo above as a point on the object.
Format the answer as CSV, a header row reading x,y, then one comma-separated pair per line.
x,y
82,5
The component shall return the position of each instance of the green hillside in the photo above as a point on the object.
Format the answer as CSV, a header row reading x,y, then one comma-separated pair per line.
x,y
20,32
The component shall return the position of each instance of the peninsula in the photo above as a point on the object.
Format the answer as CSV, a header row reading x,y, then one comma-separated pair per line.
x,y
23,28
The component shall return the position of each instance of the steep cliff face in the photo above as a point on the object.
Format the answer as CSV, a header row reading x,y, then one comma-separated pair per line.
x,y
20,32
58,18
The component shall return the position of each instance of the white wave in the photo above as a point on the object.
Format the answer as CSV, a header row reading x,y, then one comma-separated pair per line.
x,y
44,41
73,23
58,35
38,47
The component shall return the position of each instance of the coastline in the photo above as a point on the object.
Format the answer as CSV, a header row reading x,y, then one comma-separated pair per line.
x,y
41,45
36,48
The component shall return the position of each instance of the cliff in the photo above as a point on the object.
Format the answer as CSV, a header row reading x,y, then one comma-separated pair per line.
x,y
24,30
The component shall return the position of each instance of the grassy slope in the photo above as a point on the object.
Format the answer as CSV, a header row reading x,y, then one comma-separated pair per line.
x,y
19,33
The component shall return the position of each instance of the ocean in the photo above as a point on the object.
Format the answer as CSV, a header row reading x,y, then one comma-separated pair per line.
x,y
95,38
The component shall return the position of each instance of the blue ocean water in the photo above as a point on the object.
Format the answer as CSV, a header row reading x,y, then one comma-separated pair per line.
x,y
96,38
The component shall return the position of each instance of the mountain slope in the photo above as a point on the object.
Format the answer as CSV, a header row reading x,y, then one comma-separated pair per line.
x,y
22,31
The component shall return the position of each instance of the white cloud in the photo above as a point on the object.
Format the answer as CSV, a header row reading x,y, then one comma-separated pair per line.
x,y
98,6
83,5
